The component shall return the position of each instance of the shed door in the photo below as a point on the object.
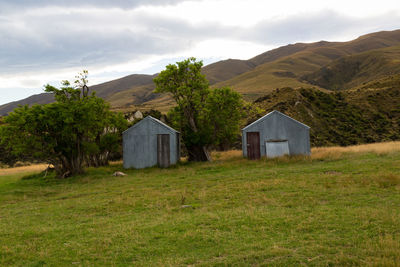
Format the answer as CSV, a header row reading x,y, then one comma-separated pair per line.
x,y
276,148
163,150
253,145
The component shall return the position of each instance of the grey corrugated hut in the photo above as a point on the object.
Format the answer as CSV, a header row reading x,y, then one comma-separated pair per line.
x,y
275,134
150,142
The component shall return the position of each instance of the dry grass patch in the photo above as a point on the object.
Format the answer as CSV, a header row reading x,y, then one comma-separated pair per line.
x,y
225,155
24,169
338,151
384,252
388,180
317,153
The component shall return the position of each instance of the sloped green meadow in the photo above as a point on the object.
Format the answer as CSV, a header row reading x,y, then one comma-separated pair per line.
x,y
282,212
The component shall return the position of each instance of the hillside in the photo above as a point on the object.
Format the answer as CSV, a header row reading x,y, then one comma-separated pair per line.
x,y
287,66
345,118
338,208
43,98
226,69
325,65
352,71
136,90
133,83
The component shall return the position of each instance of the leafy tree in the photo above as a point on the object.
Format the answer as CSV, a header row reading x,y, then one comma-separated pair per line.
x,y
205,117
224,108
75,131
6,155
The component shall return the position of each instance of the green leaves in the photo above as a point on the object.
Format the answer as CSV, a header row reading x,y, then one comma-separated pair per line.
x,y
225,110
205,117
184,81
70,133
68,93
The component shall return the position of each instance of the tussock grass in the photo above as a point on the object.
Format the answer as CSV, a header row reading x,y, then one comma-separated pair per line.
x,y
23,169
321,153
289,211
225,155
338,152
384,252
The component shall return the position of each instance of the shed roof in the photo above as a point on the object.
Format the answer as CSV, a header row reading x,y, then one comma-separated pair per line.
x,y
274,113
151,119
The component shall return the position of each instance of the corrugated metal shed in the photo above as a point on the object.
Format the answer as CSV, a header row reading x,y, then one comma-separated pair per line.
x,y
275,134
150,142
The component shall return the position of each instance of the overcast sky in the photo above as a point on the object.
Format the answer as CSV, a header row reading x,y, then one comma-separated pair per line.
x,y
45,41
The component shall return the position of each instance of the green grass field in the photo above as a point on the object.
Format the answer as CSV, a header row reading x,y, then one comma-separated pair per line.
x,y
321,211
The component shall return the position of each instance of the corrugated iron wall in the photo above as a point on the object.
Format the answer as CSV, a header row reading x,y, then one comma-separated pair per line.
x,y
140,144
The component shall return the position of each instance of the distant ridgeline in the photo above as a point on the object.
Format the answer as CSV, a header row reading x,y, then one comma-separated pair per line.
x,y
355,100
341,118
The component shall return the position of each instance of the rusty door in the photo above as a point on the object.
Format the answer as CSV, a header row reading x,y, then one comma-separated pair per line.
x,y
253,145
163,150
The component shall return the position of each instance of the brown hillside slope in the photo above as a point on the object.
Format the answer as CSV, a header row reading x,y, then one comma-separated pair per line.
x,y
43,98
287,65
226,69
105,90
142,97
355,70
136,91
281,67
284,51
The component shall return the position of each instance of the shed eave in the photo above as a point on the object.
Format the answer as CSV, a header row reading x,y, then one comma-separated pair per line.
x,y
163,124
153,119
269,114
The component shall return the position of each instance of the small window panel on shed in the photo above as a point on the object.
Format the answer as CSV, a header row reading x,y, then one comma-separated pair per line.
x,y
276,148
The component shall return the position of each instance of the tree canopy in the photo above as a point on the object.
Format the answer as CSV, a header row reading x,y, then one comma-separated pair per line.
x,y
76,131
204,116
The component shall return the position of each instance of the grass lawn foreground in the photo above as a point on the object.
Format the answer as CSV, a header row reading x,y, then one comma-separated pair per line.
x,y
340,207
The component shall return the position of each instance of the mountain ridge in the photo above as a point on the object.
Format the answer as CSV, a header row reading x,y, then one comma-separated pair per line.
x,y
294,65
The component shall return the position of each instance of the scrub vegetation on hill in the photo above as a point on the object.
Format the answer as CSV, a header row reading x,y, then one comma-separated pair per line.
x,y
342,118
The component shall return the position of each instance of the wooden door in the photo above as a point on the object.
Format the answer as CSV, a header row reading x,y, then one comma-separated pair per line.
x,y
253,145
163,150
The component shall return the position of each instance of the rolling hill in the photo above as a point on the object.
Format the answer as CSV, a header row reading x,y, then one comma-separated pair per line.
x,y
341,118
351,71
288,65
322,65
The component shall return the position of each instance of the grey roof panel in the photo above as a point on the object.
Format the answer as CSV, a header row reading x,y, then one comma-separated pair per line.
x,y
271,113
154,120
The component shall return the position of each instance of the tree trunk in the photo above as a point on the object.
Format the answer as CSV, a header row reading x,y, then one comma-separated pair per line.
x,y
98,159
198,153
224,147
69,166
